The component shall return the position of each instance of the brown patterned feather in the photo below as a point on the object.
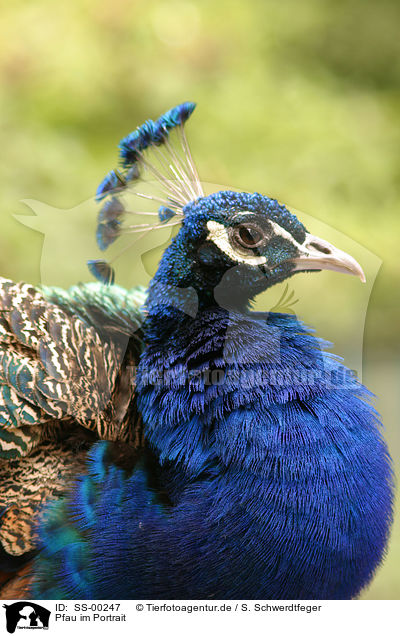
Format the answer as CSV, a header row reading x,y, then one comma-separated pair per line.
x,y
55,365
67,378
18,587
27,483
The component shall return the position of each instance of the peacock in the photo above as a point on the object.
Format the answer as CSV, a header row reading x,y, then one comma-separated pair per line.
x,y
238,458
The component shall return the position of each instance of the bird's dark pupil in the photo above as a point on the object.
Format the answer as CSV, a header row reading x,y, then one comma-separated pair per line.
x,y
249,236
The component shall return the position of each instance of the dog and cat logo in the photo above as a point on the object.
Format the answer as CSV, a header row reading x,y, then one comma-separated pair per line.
x,y
26,615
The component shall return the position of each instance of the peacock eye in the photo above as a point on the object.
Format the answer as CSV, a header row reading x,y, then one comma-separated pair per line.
x,y
248,236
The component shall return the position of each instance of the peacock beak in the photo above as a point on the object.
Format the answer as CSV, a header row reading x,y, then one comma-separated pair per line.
x,y
316,253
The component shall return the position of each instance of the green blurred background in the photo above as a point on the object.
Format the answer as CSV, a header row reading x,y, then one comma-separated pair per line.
x,y
298,100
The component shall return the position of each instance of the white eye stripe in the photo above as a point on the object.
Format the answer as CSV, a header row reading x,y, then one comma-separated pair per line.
x,y
280,231
218,234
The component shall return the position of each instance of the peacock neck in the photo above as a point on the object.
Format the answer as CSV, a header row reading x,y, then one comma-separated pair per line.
x,y
278,441
208,383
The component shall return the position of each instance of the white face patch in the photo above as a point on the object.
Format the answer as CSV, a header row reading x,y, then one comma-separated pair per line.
x,y
218,234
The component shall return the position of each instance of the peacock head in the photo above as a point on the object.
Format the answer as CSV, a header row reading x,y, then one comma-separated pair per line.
x,y
243,243
231,245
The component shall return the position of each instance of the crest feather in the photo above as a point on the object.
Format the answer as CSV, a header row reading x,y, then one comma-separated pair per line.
x,y
147,150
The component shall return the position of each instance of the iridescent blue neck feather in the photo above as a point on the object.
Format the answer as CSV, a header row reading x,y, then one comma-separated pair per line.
x,y
274,454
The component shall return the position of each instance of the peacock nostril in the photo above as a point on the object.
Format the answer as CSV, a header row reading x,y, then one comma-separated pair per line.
x,y
320,247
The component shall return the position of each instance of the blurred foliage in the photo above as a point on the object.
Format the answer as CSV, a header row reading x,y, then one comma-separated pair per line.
x,y
296,100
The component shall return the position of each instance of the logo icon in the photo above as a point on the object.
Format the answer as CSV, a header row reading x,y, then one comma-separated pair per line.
x,y
26,615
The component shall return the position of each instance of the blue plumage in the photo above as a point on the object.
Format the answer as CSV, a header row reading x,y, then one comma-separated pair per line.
x,y
153,133
112,182
177,116
107,233
275,491
265,473
112,210
102,271
165,214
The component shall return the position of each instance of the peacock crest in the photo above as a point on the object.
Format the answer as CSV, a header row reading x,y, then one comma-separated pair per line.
x,y
156,153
